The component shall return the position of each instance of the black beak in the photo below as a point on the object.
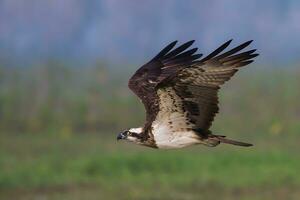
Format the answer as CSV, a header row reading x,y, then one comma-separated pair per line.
x,y
121,136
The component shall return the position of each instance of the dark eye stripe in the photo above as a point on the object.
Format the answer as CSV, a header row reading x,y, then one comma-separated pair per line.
x,y
134,135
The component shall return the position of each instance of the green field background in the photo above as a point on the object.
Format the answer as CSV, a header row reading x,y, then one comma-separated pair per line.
x,y
59,126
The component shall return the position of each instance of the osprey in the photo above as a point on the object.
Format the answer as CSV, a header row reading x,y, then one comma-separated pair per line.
x,y
180,94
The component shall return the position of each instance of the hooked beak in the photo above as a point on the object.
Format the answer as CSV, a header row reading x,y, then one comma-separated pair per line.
x,y
121,136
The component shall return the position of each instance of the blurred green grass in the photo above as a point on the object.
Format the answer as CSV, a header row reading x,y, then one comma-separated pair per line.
x,y
57,167
58,128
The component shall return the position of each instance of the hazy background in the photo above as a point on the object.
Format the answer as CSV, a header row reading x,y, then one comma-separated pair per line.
x,y
64,67
130,31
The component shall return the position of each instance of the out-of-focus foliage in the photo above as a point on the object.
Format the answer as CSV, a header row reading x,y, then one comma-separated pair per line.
x,y
58,97
94,166
48,114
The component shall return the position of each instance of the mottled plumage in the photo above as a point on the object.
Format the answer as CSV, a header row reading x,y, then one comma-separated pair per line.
x,y
179,92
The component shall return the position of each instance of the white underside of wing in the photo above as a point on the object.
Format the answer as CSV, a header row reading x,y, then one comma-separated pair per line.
x,y
171,128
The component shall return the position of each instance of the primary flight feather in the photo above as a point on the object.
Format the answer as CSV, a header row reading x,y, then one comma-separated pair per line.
x,y
180,94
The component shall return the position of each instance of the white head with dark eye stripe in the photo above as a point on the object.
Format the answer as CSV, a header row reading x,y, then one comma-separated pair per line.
x,y
133,135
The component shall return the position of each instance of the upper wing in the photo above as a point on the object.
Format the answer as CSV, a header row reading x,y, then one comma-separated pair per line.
x,y
165,64
196,86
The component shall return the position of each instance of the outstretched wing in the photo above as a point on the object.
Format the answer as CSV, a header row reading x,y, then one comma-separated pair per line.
x,y
166,63
189,99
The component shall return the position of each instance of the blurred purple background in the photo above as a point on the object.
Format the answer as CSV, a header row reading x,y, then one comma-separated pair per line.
x,y
131,31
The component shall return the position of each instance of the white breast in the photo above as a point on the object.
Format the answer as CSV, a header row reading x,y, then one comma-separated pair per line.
x,y
171,128
167,139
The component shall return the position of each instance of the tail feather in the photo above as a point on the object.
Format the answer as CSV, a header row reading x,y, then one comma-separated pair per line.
x,y
222,139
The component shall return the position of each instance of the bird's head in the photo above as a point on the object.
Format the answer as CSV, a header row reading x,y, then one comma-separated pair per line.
x,y
132,135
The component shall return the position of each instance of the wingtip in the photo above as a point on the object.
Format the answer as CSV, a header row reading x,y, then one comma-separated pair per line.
x,y
197,56
189,43
228,42
245,44
248,42
174,42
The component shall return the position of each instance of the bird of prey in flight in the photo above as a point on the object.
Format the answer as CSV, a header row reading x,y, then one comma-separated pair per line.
x,y
180,94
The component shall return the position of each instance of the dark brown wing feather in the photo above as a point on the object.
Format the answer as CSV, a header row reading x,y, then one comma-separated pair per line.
x,y
198,85
165,64
196,82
